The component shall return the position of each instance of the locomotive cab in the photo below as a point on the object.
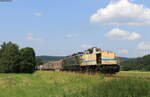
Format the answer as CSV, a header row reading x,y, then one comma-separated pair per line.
x,y
103,61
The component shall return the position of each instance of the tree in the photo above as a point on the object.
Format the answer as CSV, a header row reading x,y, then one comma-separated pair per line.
x,y
9,57
13,60
28,60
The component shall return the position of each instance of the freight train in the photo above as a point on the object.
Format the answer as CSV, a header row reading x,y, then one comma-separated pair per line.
x,y
91,60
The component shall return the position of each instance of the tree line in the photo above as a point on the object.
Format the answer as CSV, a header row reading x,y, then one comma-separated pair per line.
x,y
46,59
15,60
141,64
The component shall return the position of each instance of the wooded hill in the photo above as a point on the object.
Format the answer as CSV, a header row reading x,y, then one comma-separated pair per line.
x,y
50,58
140,63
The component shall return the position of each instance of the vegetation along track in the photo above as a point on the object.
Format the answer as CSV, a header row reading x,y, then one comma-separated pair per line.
x,y
71,84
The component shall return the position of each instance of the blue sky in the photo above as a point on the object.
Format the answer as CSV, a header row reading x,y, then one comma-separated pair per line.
x,y
62,27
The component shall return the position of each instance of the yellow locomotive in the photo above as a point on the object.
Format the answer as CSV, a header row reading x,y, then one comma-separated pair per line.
x,y
93,59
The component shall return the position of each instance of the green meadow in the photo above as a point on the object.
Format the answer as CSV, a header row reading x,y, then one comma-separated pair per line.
x,y
65,84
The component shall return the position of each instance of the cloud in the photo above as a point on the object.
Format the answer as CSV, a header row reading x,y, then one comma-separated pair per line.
x,y
30,36
72,35
122,12
144,46
39,14
123,51
118,34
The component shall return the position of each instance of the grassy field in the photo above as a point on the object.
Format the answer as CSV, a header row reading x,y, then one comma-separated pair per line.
x,y
62,84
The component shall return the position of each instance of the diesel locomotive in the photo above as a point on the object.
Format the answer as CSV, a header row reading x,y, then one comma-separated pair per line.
x,y
93,59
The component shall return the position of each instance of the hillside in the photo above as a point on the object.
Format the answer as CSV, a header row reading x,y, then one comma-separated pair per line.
x,y
50,58
63,84
140,63
121,59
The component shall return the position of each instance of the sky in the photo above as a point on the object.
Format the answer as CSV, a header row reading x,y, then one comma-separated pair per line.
x,y
63,27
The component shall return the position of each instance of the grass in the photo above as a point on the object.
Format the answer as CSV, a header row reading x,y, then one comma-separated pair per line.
x,y
62,84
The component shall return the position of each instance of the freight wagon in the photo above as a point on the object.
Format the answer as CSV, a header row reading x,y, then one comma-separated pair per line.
x,y
51,65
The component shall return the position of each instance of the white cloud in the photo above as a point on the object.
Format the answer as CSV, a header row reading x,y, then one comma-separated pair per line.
x,y
144,46
118,34
39,14
71,35
123,51
30,36
122,12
